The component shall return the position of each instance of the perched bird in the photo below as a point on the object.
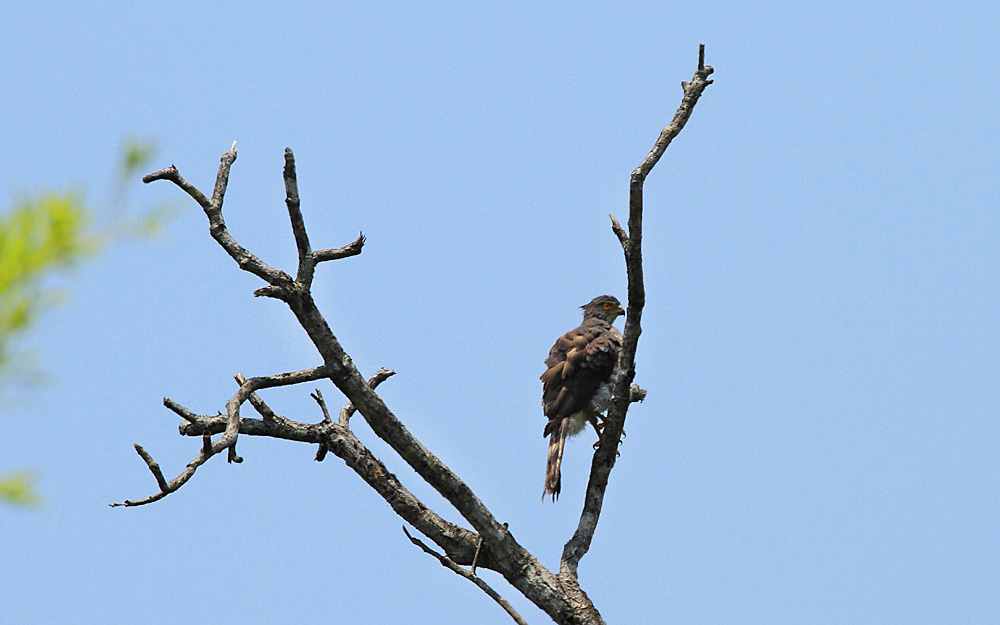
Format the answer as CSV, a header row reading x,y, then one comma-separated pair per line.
x,y
576,385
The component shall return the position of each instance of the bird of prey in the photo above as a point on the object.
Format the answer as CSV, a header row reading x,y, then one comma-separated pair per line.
x,y
576,385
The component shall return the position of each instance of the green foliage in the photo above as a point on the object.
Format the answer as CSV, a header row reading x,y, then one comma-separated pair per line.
x,y
40,235
19,488
135,159
50,232
136,154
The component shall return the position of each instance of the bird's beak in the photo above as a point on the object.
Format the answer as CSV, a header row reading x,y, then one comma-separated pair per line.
x,y
621,311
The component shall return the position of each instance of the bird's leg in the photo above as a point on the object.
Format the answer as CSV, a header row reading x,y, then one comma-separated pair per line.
x,y
599,428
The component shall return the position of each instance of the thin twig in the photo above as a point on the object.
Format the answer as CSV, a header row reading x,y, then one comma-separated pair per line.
x,y
174,176
469,575
619,231
183,412
154,467
475,558
262,408
349,409
351,249
323,448
171,486
318,396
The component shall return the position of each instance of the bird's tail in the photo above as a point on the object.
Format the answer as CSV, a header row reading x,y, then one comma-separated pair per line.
x,y
553,465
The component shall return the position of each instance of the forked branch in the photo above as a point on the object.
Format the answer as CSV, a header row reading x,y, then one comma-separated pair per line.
x,y
490,544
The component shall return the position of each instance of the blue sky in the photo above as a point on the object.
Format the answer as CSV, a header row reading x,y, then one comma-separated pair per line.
x,y
820,342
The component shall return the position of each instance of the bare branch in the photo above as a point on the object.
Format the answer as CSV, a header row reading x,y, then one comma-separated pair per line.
x,y
232,419
286,379
346,377
262,408
351,249
475,558
318,396
458,543
171,174
636,394
377,378
619,231
154,467
171,486
222,178
692,91
217,226
604,457
307,262
277,292
469,575
322,450
183,412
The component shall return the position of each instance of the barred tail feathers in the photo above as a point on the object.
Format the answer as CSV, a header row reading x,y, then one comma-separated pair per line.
x,y
553,464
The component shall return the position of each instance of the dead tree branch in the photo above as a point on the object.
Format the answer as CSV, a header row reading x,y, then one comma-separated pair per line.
x,y
489,544
450,564
604,457
217,226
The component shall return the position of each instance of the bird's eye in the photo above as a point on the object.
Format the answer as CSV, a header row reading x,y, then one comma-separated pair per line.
x,y
607,305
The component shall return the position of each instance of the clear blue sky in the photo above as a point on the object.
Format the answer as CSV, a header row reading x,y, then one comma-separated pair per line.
x,y
820,443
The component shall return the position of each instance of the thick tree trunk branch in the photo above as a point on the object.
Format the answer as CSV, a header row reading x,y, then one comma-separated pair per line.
x,y
521,569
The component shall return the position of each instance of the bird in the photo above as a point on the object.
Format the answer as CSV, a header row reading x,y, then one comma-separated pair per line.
x,y
576,384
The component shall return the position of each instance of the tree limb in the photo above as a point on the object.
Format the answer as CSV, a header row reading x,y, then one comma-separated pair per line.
x,y
229,433
457,542
217,226
604,457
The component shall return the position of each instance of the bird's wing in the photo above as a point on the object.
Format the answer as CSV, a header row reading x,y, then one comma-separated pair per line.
x,y
579,362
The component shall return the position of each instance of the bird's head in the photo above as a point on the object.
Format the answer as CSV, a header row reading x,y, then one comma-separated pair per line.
x,y
604,307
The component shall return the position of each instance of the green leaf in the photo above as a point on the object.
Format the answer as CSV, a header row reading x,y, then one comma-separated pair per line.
x,y
136,154
40,235
19,488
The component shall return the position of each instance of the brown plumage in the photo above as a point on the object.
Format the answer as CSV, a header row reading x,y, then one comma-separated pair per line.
x,y
576,385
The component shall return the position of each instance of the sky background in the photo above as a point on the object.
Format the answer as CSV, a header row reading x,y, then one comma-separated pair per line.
x,y
820,340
